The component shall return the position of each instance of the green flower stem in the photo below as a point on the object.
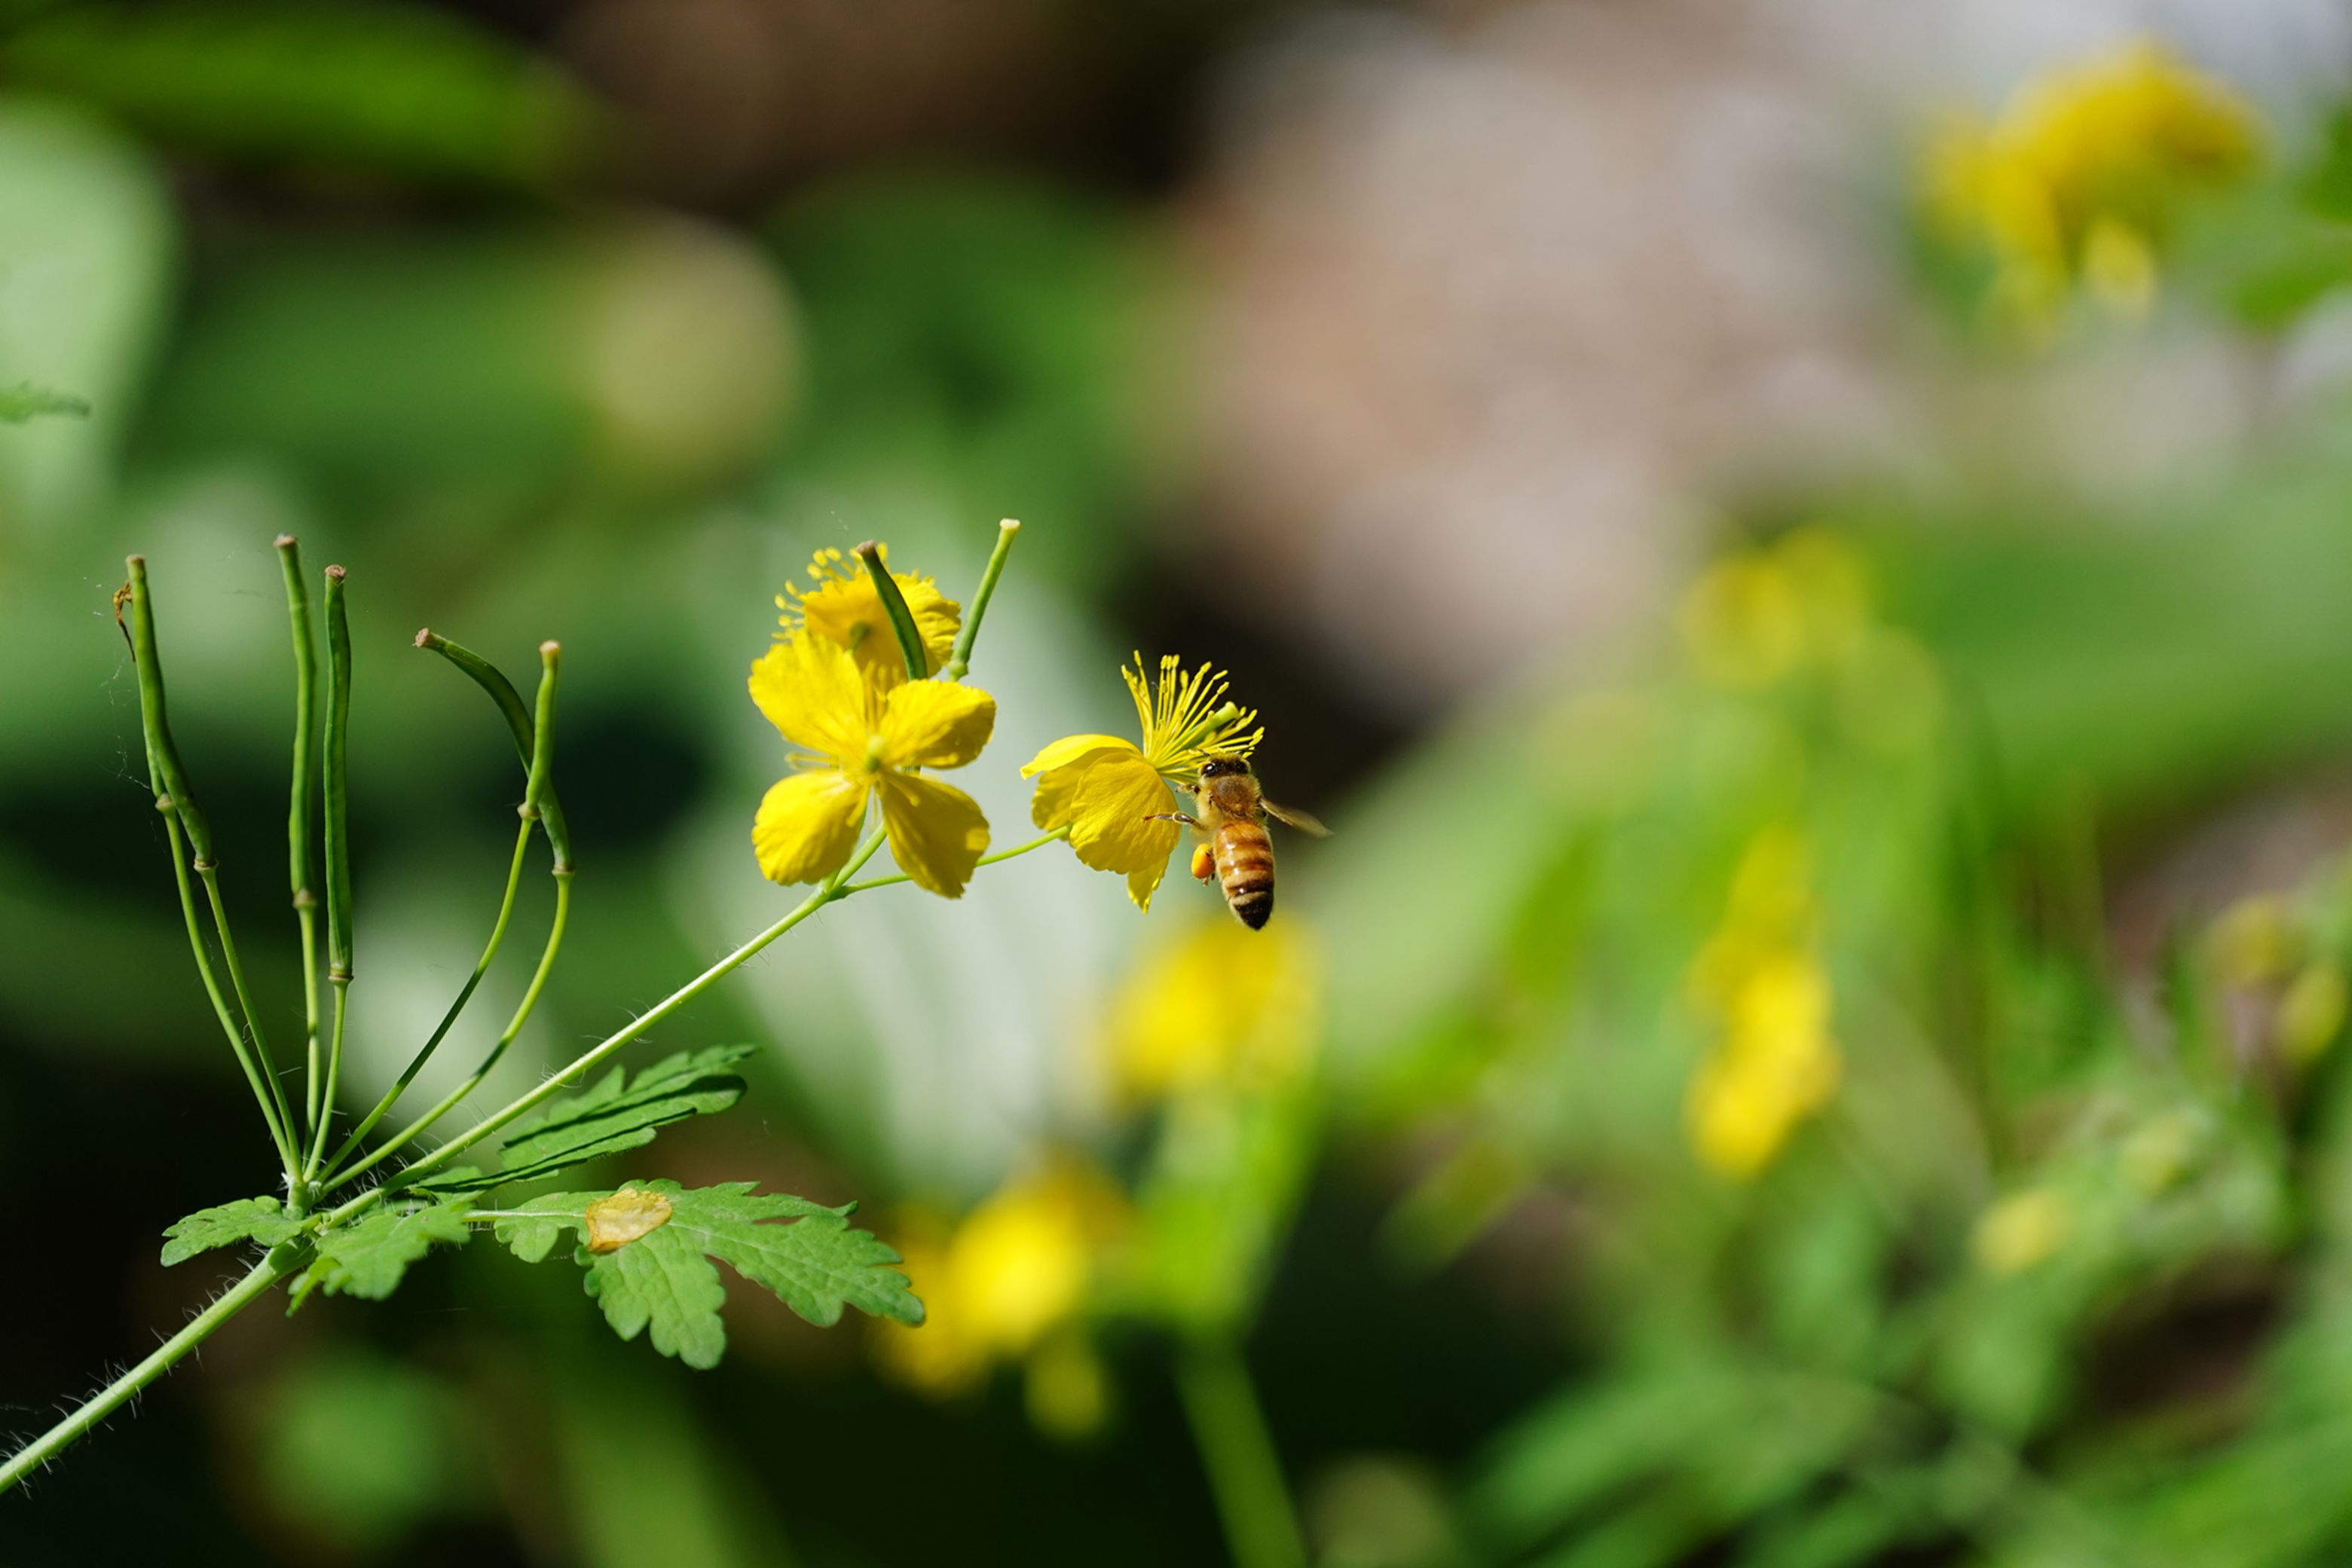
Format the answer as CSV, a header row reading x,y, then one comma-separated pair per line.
x,y
543,736
902,619
536,791
1037,843
209,874
301,850
191,844
960,661
163,757
279,1134
520,722
464,994
339,852
833,887
1237,1451
33,1455
450,1101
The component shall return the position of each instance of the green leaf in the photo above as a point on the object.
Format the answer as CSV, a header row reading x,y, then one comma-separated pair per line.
x,y
664,1279
368,1257
610,1117
260,1219
26,401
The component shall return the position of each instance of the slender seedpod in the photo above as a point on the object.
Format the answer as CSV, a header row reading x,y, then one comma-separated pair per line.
x,y
902,618
520,724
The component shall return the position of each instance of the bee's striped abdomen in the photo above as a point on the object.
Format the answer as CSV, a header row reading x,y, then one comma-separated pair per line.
x,y
1246,871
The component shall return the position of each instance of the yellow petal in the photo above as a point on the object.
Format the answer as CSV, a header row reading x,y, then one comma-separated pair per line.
x,y
932,724
1143,882
846,612
810,690
807,825
1106,798
1070,747
935,832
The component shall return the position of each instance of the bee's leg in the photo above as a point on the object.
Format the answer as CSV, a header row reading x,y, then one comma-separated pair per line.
x,y
1172,817
1204,861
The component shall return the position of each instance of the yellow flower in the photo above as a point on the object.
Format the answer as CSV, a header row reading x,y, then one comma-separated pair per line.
x,y
1221,1006
2079,175
2021,1231
1105,789
1760,979
845,609
1762,614
1017,1269
870,734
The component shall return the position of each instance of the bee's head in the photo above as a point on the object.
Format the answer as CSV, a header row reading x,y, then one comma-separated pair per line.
x,y
1219,766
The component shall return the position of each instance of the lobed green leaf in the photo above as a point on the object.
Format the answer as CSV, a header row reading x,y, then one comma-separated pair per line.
x,y
263,1221
612,1116
369,1256
665,1282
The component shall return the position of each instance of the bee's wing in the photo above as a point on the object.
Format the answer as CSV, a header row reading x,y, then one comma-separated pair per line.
x,y
1299,820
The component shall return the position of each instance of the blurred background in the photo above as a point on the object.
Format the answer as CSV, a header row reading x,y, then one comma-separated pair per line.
x,y
1802,547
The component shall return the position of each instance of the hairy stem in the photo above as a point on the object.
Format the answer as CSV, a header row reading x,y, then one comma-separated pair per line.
x,y
281,1262
1237,1451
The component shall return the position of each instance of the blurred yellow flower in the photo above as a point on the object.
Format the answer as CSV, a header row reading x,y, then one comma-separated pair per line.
x,y
1222,1006
2021,1231
2077,178
1760,614
869,733
2311,1012
1017,1270
845,609
1761,983
1105,789
2257,941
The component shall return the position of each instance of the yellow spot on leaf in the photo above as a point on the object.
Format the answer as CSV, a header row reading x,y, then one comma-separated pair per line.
x,y
621,1217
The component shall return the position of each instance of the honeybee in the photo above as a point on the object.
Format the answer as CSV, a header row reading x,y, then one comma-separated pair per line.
x,y
1237,852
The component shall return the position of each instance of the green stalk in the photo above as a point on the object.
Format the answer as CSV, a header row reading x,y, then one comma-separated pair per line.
x,y
464,994
450,1101
209,872
1037,843
1237,1450
339,848
486,675
161,754
960,661
288,1259
191,840
537,790
279,1133
301,850
281,1262
834,887
902,619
